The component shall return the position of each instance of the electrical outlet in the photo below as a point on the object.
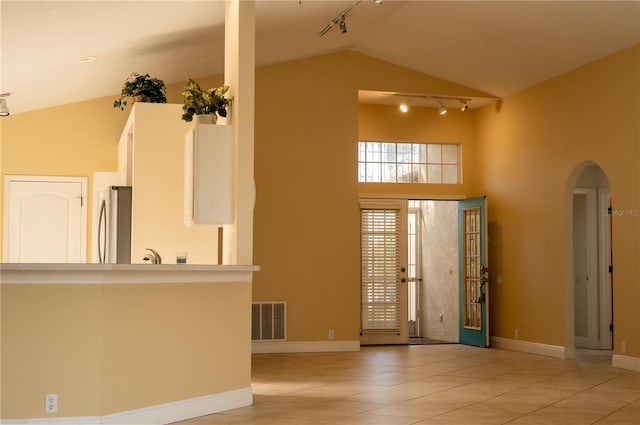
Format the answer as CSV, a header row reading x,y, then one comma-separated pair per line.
x,y
332,334
623,347
51,403
515,333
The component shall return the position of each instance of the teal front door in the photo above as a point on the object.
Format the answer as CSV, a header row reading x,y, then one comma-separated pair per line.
x,y
474,291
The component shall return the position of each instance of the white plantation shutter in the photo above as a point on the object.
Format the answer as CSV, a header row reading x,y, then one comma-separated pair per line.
x,y
380,279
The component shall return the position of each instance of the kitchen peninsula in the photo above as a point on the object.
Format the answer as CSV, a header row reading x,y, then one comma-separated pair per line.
x,y
130,343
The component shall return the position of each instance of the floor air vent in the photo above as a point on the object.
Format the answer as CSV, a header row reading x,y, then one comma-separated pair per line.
x,y
268,321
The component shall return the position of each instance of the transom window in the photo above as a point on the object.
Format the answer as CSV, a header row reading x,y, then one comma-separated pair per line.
x,y
405,162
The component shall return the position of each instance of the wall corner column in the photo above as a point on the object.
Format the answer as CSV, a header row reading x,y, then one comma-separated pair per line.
x,y
239,75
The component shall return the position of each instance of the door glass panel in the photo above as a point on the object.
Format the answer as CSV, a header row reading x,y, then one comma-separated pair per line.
x,y
472,276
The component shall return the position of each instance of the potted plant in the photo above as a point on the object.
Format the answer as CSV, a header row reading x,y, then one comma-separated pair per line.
x,y
207,103
141,88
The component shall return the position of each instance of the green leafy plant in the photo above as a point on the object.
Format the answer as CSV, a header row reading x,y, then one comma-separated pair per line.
x,y
141,88
204,102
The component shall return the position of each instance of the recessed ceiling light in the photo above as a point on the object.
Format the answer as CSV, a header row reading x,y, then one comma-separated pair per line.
x,y
87,59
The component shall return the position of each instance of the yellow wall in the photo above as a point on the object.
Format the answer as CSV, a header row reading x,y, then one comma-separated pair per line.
x,y
51,343
76,139
528,147
520,152
69,140
119,347
387,123
158,190
306,218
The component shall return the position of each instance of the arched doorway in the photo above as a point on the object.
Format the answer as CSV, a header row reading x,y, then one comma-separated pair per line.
x,y
588,260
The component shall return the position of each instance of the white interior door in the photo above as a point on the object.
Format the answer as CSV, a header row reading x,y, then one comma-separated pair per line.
x,y
383,272
45,219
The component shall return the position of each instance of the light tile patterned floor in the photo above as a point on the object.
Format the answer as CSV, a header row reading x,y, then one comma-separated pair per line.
x,y
436,385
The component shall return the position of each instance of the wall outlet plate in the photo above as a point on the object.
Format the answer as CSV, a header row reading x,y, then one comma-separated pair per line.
x,y
51,403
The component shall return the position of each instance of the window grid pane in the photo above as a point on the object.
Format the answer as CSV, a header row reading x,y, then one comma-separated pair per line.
x,y
391,162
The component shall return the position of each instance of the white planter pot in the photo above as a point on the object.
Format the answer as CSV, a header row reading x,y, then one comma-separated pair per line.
x,y
206,119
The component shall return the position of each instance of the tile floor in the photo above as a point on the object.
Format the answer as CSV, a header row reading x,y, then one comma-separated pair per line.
x,y
436,385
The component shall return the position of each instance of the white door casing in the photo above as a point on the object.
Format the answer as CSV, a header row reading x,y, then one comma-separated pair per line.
x,y
605,269
45,219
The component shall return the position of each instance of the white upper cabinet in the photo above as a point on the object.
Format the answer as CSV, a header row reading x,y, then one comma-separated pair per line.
x,y
209,188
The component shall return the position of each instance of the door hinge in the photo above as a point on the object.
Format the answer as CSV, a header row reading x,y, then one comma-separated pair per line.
x,y
81,200
609,210
611,327
610,269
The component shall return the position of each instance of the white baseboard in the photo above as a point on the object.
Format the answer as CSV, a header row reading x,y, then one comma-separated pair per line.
x,y
304,346
76,420
582,342
155,415
626,362
528,347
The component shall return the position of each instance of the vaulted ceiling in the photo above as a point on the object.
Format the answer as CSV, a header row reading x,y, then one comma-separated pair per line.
x,y
499,47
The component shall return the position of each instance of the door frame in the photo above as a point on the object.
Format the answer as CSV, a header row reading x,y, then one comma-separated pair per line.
x,y
605,275
569,311
8,179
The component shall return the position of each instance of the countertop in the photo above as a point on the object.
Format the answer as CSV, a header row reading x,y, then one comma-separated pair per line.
x,y
95,273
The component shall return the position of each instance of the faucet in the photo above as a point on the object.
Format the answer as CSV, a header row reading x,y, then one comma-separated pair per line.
x,y
152,256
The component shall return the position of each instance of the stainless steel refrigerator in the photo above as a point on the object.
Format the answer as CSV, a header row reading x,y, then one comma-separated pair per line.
x,y
114,226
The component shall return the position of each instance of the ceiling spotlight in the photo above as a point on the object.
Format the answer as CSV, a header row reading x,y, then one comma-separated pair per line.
x,y
340,19
464,107
441,109
4,110
404,107
343,25
378,1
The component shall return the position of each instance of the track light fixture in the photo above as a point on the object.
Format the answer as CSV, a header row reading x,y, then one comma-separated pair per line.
x,y
4,110
340,19
429,99
441,109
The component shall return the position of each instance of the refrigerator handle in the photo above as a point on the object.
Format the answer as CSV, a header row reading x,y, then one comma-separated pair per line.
x,y
102,222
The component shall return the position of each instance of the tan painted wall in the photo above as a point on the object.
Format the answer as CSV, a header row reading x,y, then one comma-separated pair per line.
x,y
158,190
51,343
113,348
69,140
387,123
528,147
306,217
76,139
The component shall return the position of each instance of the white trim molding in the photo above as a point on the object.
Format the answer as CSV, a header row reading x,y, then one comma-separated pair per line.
x,y
304,346
155,415
78,420
528,347
626,362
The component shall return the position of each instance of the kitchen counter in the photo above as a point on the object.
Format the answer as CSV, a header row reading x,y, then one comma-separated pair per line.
x,y
94,273
125,343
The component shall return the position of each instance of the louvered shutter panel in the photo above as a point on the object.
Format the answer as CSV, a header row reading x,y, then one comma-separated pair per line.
x,y
380,247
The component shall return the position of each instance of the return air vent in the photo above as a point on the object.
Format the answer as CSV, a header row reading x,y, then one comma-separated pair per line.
x,y
268,321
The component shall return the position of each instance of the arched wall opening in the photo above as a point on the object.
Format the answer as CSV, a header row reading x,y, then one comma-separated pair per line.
x,y
588,260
